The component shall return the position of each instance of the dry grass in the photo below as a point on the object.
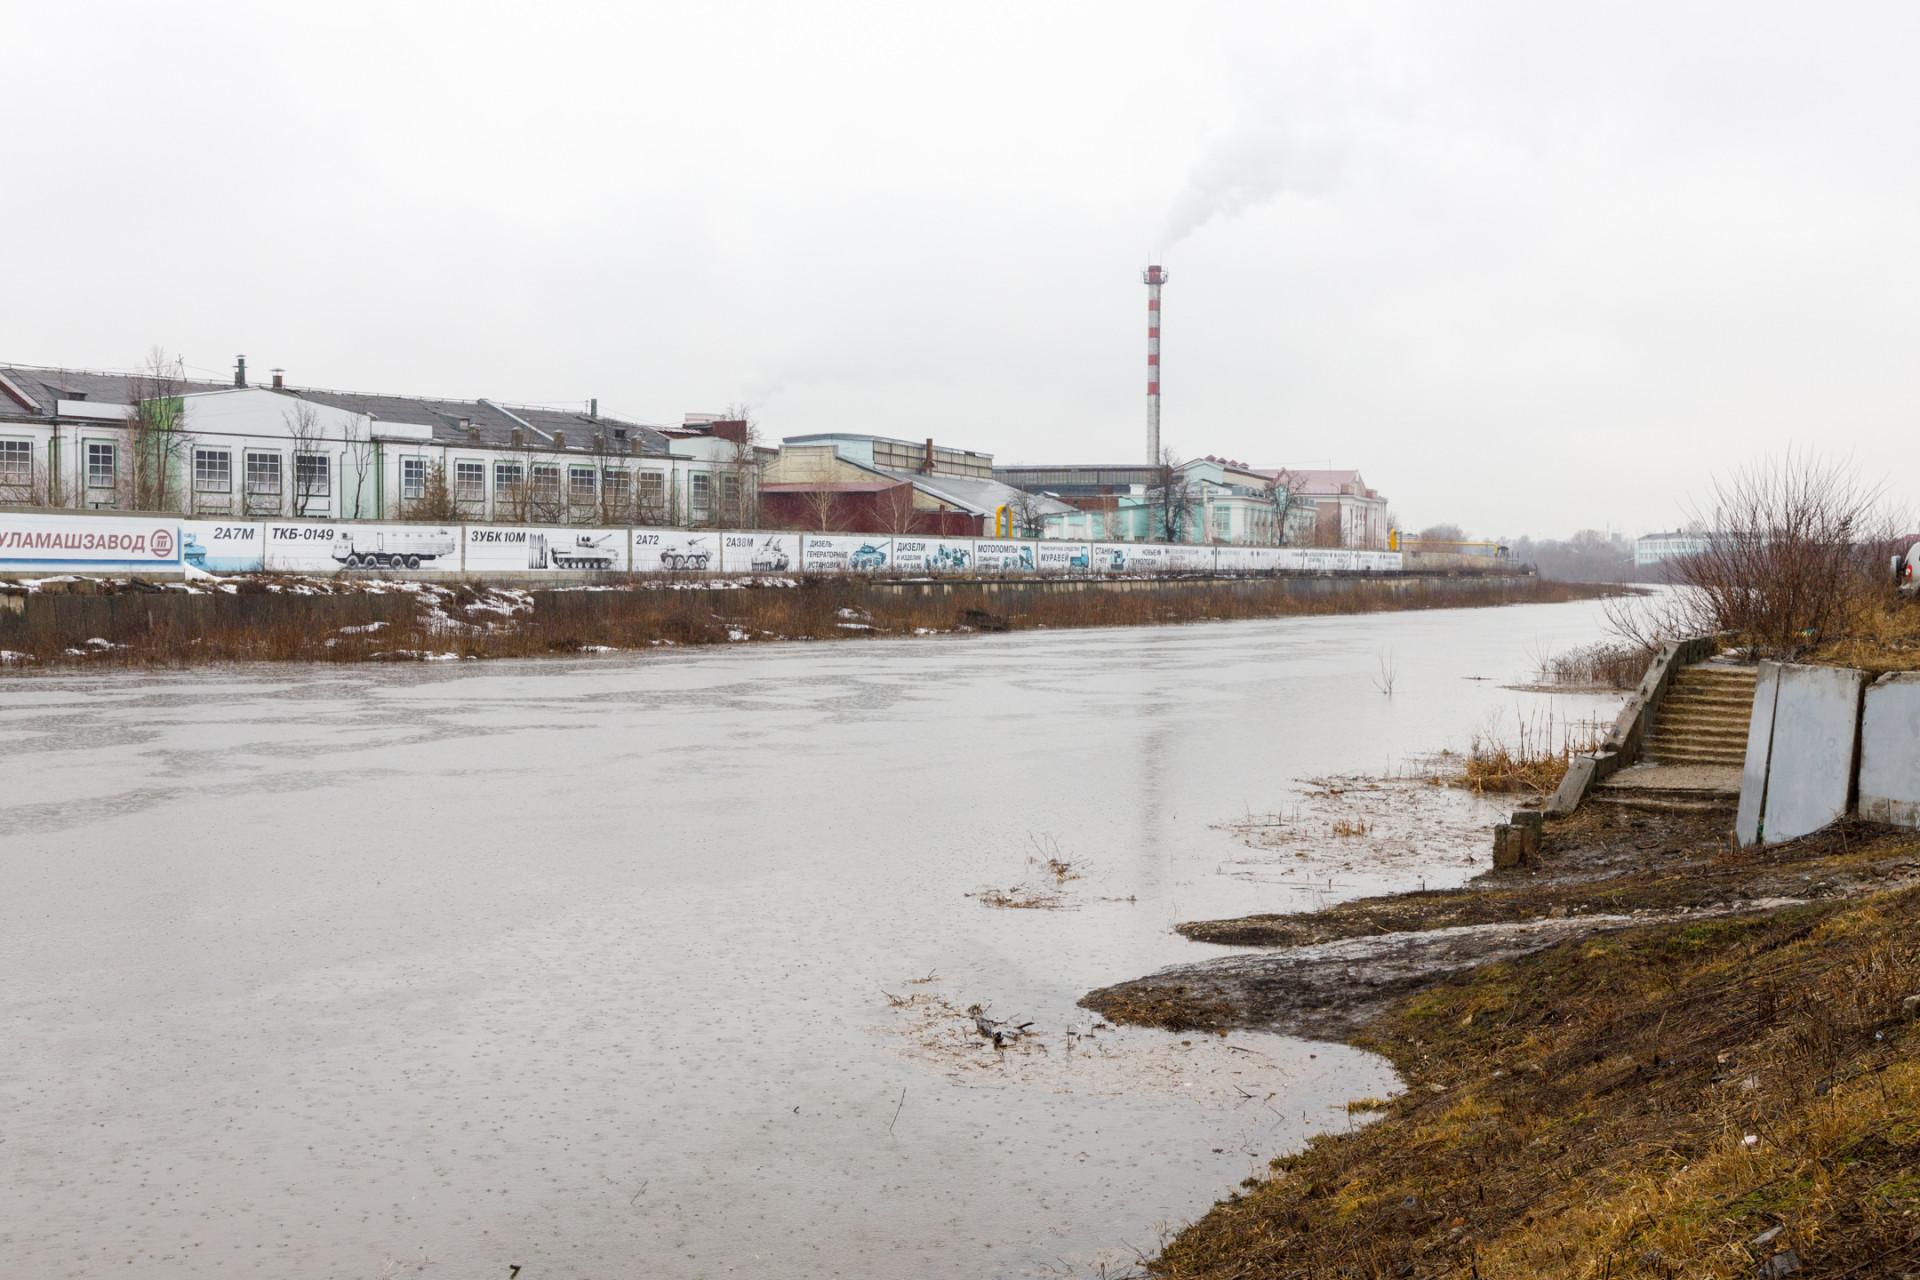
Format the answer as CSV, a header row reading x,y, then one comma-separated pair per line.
x,y
1619,665
300,619
1532,761
1650,1103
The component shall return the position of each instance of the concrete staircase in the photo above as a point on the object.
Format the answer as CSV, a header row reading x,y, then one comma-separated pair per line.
x,y
1691,761
1703,719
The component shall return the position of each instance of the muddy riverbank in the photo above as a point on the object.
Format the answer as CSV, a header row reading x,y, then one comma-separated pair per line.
x,y
1639,1057
342,619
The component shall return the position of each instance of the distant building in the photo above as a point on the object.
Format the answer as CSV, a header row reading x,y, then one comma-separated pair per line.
x,y
1219,501
1347,512
78,439
1655,548
854,483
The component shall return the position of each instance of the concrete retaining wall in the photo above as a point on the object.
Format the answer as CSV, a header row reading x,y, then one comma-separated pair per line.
x,y
1622,746
1889,787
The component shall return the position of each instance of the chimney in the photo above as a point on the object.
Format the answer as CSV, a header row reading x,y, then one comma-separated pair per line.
x,y
593,407
513,437
279,383
473,432
926,468
240,373
559,439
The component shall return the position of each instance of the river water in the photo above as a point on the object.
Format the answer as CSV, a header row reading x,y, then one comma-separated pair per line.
x,y
655,964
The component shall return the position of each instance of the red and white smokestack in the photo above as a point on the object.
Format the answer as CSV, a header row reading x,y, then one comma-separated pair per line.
x,y
1154,277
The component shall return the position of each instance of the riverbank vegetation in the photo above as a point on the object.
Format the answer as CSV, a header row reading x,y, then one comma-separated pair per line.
x,y
276,618
1707,1064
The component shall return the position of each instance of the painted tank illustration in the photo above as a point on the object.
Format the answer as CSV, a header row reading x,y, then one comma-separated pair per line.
x,y
951,558
867,557
586,551
392,548
769,557
694,555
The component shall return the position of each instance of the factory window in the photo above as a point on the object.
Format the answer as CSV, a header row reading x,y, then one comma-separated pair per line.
x,y
470,481
546,483
653,495
580,486
213,470
1222,521
101,466
616,492
506,479
312,476
16,463
413,478
700,494
730,498
263,473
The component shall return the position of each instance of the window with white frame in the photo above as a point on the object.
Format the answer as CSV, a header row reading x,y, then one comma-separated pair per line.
x,y
580,486
1222,521
470,481
700,493
213,471
653,491
16,463
413,478
546,483
263,474
506,479
616,490
102,466
313,475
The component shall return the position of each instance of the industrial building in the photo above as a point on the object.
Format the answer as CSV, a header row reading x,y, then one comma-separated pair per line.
x,y
82,439
876,484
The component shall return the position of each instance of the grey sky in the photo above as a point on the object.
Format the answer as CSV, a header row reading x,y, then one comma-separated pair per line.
x,y
1529,267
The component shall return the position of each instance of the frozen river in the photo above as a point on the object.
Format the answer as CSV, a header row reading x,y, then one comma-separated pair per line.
x,y
604,967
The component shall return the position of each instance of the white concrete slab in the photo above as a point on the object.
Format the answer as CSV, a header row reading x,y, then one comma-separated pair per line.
x,y
1753,777
1890,750
1816,723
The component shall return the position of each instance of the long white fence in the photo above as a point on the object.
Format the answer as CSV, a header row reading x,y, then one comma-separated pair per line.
x,y
106,543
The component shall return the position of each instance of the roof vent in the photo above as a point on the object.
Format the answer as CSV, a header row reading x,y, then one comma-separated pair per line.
x,y
279,382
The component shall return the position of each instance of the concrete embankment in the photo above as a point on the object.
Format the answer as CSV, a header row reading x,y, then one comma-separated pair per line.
x,y
346,618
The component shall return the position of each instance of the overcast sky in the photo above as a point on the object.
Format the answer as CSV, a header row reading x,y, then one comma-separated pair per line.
x,y
1528,267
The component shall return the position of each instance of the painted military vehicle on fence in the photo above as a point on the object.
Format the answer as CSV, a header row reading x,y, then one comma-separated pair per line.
x,y
403,548
587,551
769,557
694,554
867,557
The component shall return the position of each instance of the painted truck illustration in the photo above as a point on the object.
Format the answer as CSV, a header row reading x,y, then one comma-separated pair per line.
x,y
867,557
392,548
951,558
694,555
1080,560
769,557
586,551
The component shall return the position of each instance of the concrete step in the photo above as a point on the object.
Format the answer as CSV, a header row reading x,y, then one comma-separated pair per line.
x,y
1657,804
1665,728
1730,759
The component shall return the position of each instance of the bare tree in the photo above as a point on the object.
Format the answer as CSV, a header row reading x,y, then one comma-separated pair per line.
x,y
312,468
736,472
153,474
1797,553
437,502
360,455
1171,498
897,513
1029,514
823,508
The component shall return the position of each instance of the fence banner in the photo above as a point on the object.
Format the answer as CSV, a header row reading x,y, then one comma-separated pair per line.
x,y
995,555
91,543
1110,557
675,550
320,547
823,553
1306,560
760,552
223,546
933,555
1064,557
492,548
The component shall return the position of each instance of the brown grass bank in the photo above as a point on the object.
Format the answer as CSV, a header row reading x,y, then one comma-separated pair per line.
x,y
340,620
1726,1094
